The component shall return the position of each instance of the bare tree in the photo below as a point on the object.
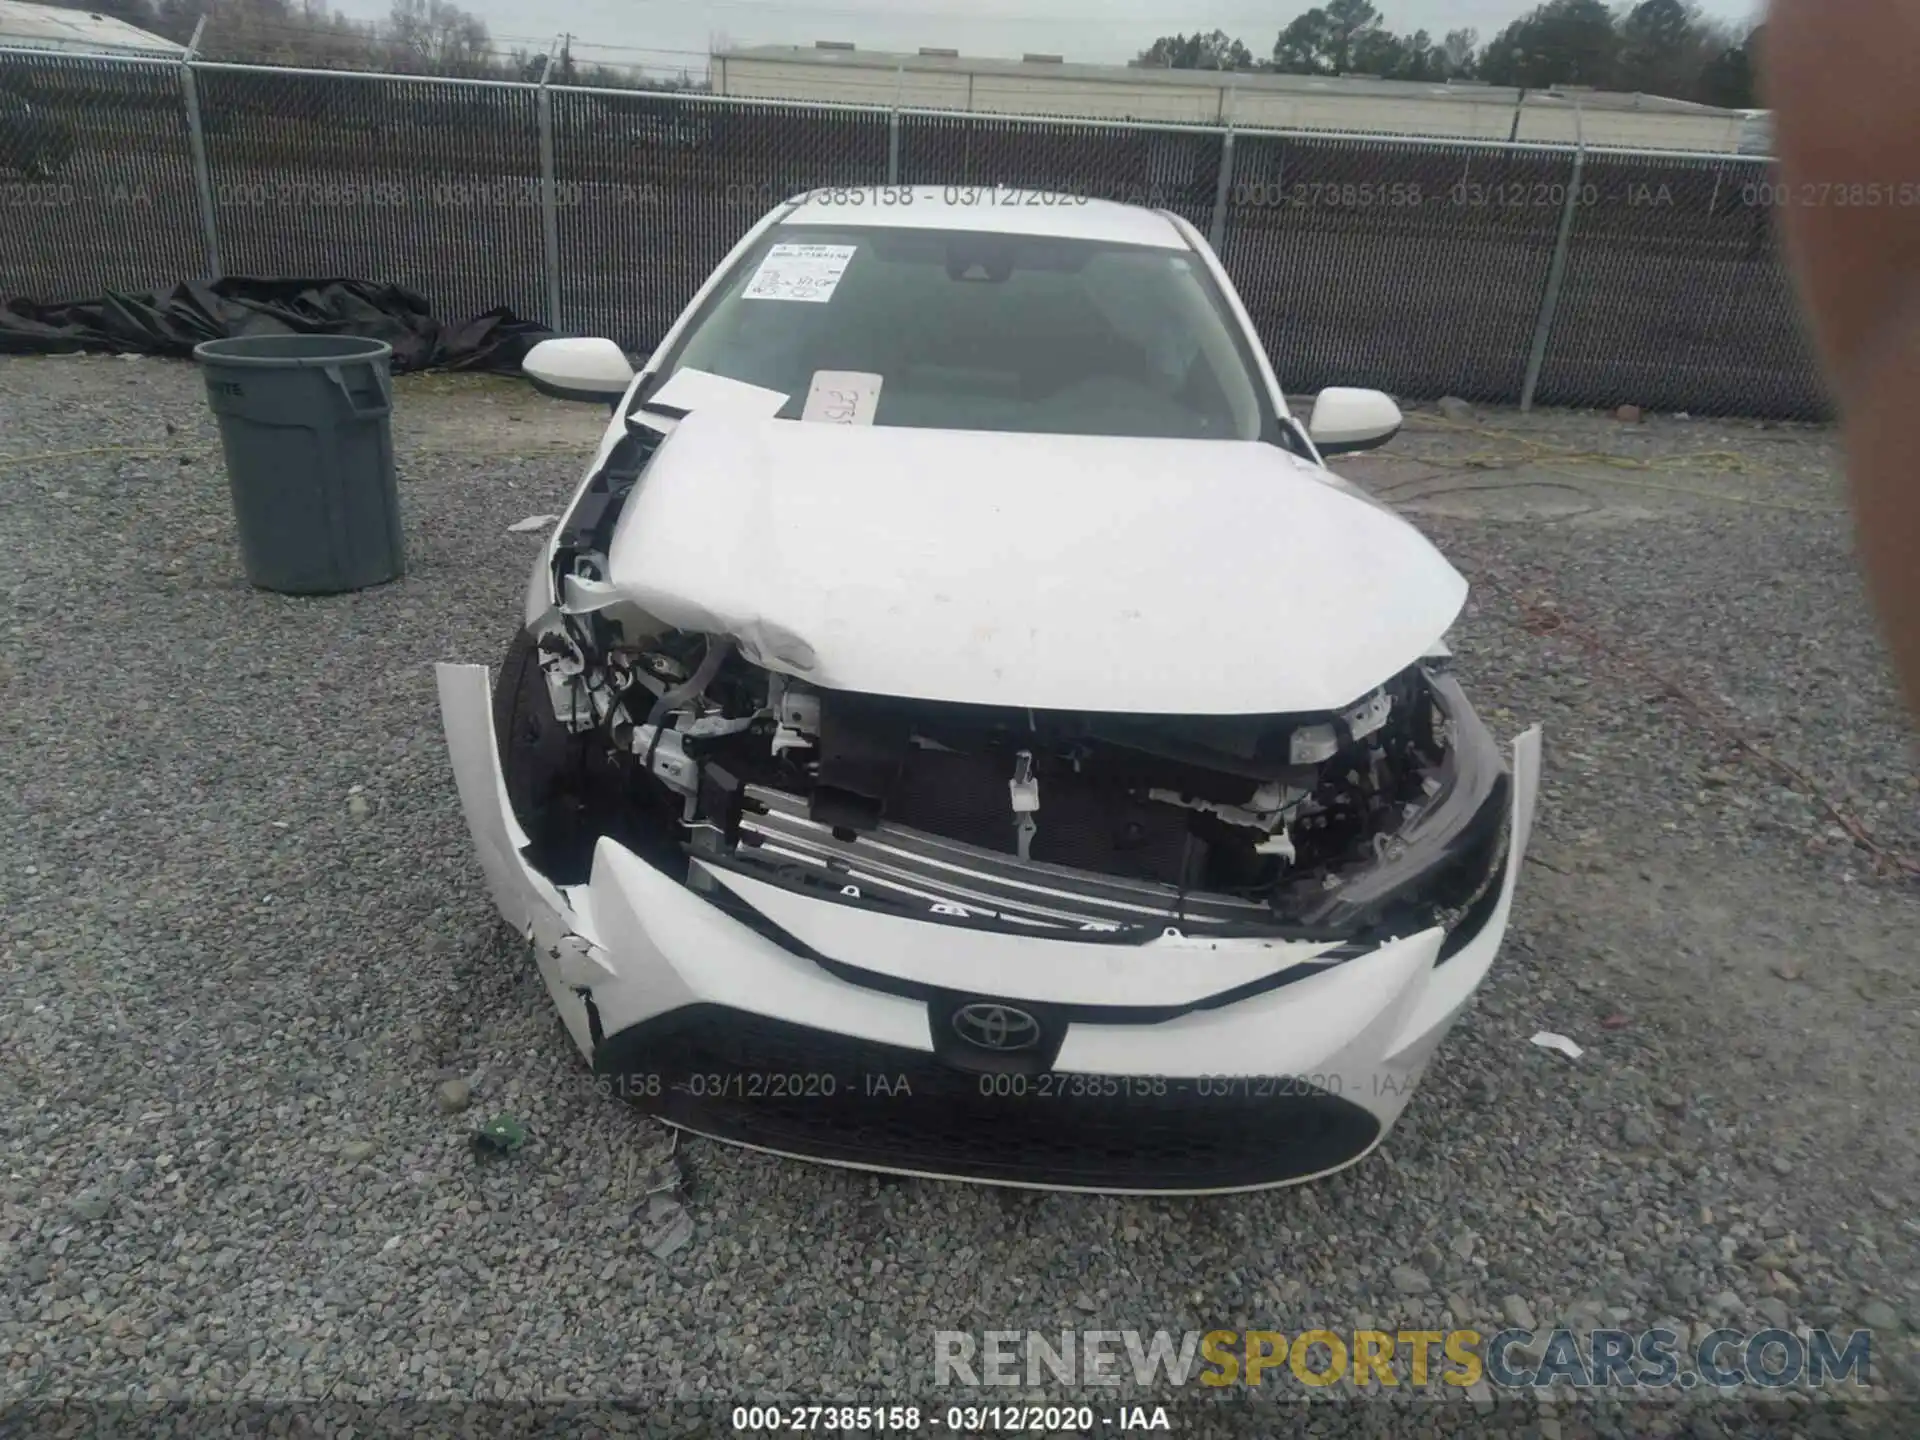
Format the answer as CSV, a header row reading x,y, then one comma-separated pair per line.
x,y
1218,51
437,37
1460,54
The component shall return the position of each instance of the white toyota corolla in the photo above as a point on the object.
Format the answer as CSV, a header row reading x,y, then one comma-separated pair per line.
x,y
959,727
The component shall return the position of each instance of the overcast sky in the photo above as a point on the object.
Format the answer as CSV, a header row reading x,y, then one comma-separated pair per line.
x,y
668,33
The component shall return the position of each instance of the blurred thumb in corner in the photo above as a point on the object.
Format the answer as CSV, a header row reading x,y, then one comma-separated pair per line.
x,y
1844,83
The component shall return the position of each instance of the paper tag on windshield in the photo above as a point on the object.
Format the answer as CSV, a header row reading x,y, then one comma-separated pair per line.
x,y
842,397
799,272
689,389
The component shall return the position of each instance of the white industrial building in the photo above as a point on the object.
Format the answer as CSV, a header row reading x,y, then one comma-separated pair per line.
x,y
80,32
1048,85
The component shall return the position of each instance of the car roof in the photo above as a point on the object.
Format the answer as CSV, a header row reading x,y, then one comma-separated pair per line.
x,y
993,209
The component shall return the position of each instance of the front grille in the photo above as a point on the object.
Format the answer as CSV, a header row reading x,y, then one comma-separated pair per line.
x,y
830,1097
1085,822
915,871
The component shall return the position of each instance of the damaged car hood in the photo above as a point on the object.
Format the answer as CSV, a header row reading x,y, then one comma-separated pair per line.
x,y
1048,571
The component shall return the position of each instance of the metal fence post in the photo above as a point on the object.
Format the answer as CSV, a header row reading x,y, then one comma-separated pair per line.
x,y
197,153
893,125
549,199
1217,230
1557,270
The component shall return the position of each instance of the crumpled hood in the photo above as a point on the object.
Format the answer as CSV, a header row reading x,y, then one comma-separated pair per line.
x,y
1057,572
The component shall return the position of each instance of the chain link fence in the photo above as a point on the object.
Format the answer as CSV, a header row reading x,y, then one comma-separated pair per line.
x,y
96,180
1427,263
1675,296
651,191
1173,168
1498,273
423,183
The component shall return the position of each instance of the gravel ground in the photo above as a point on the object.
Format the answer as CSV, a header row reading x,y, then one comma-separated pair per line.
x,y
244,945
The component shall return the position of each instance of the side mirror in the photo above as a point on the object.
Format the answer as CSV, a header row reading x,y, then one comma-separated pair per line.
x,y
593,370
1345,420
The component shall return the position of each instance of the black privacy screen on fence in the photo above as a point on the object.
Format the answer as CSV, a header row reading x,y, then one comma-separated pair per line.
x,y
1421,267
1417,269
651,192
1168,169
422,183
1675,297
96,187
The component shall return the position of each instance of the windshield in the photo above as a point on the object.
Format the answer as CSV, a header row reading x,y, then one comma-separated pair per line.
x,y
975,331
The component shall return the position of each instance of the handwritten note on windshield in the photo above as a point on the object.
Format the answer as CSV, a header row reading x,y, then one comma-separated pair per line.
x,y
799,272
842,397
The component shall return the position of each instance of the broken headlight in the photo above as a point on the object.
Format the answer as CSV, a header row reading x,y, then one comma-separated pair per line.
x,y
1444,867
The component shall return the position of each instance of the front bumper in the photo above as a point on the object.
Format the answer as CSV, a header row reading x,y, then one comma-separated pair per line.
x,y
1187,1064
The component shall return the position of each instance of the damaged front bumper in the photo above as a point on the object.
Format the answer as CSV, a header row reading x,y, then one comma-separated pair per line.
x,y
1188,1063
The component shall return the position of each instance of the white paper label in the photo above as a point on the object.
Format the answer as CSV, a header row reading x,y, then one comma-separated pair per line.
x,y
842,397
799,272
690,389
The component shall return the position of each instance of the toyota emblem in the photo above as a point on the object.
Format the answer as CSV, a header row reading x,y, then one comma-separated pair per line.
x,y
996,1027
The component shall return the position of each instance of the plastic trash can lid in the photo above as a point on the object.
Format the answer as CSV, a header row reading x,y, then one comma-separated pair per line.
x,y
285,352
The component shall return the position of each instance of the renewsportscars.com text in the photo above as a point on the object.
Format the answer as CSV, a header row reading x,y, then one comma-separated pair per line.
x,y
1657,1358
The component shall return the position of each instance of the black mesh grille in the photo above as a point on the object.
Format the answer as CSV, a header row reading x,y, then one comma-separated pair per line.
x,y
718,1071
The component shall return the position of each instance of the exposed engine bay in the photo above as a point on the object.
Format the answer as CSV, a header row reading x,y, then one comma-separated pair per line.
x,y
1384,817
1387,815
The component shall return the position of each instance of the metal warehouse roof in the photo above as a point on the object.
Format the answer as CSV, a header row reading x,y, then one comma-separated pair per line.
x,y
848,58
47,27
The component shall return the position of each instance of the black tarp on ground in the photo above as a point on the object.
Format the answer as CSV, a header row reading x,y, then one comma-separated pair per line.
x,y
172,323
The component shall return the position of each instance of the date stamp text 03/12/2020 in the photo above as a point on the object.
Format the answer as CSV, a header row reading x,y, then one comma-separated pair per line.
x,y
951,1419
1040,1087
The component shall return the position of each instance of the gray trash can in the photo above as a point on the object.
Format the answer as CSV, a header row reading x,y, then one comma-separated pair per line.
x,y
305,424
